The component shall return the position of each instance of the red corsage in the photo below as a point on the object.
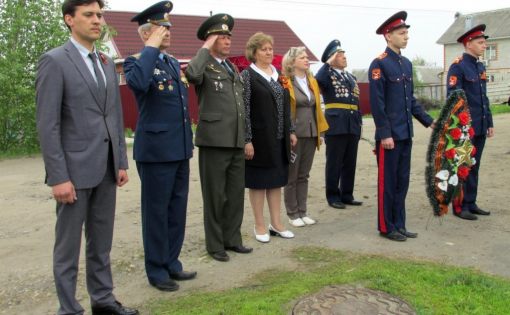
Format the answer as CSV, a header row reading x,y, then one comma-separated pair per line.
x,y
473,152
284,81
103,58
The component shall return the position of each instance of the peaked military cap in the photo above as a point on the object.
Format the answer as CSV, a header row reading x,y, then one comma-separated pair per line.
x,y
333,47
157,14
476,32
217,24
395,21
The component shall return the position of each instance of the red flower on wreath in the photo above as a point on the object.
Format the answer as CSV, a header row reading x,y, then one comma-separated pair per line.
x,y
450,154
456,133
464,118
471,132
473,152
463,172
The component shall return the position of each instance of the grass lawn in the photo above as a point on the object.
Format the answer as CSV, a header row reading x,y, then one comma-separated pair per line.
x,y
429,287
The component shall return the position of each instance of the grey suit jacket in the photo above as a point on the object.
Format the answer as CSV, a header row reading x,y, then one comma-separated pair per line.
x,y
220,100
74,129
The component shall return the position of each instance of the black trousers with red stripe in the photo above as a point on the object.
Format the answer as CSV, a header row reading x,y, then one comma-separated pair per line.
x,y
471,185
393,183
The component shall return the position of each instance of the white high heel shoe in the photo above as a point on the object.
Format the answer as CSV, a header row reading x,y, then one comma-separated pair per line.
x,y
263,238
282,234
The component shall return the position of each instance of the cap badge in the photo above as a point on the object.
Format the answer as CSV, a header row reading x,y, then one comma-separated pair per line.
x,y
224,27
168,4
225,18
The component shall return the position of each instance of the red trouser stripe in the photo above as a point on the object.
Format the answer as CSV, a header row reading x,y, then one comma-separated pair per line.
x,y
382,222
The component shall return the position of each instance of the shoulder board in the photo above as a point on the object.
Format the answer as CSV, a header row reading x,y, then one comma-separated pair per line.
x,y
136,56
458,59
382,56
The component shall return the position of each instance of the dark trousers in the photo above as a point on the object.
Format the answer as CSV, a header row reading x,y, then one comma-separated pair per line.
x,y
393,182
341,154
93,212
470,186
222,183
165,189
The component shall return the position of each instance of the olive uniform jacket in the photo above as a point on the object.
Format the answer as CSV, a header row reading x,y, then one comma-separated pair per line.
x,y
220,100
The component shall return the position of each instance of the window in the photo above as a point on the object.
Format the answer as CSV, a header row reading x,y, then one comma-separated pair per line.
x,y
491,52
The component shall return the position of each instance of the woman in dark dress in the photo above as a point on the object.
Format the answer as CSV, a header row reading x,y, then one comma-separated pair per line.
x,y
268,136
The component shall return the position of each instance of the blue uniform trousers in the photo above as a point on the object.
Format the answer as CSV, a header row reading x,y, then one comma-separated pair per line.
x,y
470,186
393,182
341,154
165,189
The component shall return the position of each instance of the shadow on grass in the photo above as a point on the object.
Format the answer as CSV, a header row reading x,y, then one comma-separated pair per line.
x,y
429,287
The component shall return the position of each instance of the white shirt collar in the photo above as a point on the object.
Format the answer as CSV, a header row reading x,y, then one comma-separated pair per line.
x,y
83,51
273,76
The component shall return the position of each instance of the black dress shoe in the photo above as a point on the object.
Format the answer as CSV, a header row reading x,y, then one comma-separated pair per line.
x,y
220,256
394,236
466,215
353,202
240,249
408,234
183,275
114,309
169,285
337,205
479,211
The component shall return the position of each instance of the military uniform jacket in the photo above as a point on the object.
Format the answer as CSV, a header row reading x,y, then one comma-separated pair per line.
x,y
336,88
163,130
392,98
469,74
220,98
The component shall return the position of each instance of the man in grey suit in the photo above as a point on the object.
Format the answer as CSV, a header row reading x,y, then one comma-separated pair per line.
x,y
220,137
79,120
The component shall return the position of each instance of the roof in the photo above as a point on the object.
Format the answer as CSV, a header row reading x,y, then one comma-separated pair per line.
x,y
497,21
184,39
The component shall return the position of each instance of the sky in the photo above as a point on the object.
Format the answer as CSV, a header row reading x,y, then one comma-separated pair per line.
x,y
317,22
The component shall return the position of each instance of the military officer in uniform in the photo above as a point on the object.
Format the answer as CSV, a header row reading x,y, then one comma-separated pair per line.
x,y
468,73
220,137
393,106
341,97
163,146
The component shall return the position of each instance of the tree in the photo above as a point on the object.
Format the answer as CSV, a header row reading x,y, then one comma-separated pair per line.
x,y
28,29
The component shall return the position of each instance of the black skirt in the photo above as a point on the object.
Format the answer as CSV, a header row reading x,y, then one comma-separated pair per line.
x,y
269,177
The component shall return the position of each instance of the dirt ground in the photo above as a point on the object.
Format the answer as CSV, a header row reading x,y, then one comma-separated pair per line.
x,y
28,216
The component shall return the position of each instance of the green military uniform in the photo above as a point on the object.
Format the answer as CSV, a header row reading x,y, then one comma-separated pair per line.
x,y
220,138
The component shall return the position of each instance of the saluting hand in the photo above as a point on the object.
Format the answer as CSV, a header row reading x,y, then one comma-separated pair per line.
x,y
156,38
209,42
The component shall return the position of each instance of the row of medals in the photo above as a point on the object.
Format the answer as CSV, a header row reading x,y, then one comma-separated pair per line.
x,y
161,86
339,89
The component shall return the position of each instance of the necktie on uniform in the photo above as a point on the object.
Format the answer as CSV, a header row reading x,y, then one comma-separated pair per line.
x,y
224,65
101,86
